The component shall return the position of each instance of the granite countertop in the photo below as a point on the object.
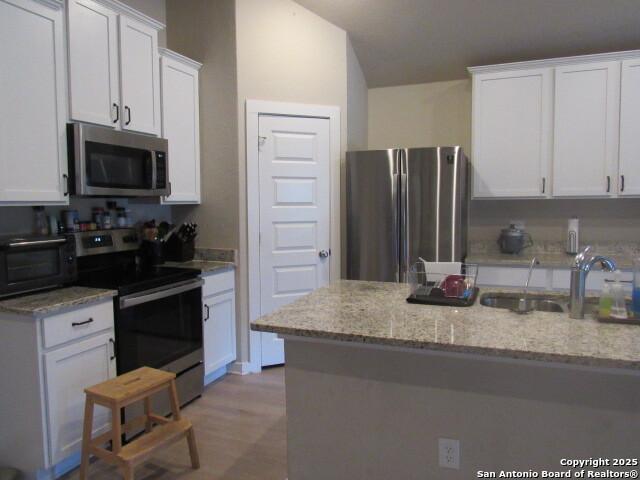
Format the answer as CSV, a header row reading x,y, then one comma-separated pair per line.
x,y
550,254
377,313
54,301
205,266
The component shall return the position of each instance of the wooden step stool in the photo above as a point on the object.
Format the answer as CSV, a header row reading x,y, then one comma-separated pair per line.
x,y
116,394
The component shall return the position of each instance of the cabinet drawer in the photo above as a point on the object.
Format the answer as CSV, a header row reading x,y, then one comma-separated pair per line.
x,y
67,326
215,283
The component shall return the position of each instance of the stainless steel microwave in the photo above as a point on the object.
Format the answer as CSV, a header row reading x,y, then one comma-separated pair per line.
x,y
106,163
31,263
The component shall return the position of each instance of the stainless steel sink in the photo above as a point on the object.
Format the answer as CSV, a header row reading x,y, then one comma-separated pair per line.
x,y
519,304
537,302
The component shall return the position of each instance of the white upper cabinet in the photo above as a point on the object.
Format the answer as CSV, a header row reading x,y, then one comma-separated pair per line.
x,y
587,105
114,73
571,122
629,178
140,77
512,127
33,149
181,125
94,92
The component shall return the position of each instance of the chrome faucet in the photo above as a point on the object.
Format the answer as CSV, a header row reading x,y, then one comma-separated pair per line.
x,y
581,267
522,304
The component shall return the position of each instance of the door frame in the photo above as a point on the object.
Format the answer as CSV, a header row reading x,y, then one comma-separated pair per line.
x,y
253,110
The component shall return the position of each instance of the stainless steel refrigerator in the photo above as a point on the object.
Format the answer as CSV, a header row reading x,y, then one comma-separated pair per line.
x,y
404,203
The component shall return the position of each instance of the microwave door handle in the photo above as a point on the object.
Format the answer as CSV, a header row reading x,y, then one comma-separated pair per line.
x,y
157,294
29,243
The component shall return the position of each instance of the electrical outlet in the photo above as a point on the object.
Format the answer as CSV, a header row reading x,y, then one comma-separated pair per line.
x,y
449,453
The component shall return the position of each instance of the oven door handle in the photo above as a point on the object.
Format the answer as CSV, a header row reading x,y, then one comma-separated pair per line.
x,y
30,243
158,293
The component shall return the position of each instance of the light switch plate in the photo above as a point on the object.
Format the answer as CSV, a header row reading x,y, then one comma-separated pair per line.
x,y
449,453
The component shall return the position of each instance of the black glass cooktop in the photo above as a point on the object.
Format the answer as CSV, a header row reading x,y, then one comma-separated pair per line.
x,y
129,278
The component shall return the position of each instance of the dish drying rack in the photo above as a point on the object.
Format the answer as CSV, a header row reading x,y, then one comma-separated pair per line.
x,y
435,288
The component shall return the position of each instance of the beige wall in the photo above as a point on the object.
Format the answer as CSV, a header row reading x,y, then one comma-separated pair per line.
x,y
357,102
284,53
422,115
205,31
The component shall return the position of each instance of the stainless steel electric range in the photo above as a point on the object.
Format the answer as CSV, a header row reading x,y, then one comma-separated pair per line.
x,y
158,310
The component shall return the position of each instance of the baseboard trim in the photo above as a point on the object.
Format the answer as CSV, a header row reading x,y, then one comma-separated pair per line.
x,y
240,368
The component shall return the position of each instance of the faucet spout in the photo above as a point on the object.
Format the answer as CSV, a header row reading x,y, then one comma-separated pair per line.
x,y
582,265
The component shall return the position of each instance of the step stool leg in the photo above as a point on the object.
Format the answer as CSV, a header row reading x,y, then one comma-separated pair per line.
x,y
86,436
147,412
127,471
116,429
193,449
175,405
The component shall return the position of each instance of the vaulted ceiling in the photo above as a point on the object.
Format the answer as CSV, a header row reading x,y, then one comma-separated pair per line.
x,y
401,42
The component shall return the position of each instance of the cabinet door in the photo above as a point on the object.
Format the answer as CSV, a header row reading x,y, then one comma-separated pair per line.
x,y
68,371
33,145
93,63
140,77
181,126
629,181
512,133
587,102
219,331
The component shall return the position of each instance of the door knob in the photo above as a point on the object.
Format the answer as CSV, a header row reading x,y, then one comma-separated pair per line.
x,y
324,253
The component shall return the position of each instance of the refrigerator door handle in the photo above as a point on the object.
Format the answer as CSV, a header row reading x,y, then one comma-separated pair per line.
x,y
404,203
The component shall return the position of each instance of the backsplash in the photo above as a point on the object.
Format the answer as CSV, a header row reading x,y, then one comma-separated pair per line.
x,y
602,221
20,219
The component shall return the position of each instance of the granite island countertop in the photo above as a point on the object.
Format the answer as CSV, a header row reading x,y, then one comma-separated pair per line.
x,y
51,302
377,313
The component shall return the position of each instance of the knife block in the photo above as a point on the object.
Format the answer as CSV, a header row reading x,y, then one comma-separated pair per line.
x,y
177,250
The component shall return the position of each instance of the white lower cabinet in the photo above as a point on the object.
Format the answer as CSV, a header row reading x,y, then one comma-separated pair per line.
x,y
42,403
219,326
68,371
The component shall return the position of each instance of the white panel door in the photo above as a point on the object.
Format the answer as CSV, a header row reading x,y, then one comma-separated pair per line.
x,y
512,127
93,63
587,103
69,370
33,148
181,126
219,331
294,215
140,77
629,181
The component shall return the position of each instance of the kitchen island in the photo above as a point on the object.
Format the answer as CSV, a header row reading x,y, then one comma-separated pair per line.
x,y
373,383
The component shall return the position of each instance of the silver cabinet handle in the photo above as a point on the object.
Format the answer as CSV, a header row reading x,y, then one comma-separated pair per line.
x,y
324,253
208,312
608,183
622,183
544,184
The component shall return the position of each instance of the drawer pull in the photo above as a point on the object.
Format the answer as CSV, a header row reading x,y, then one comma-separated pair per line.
x,y
86,322
208,312
113,343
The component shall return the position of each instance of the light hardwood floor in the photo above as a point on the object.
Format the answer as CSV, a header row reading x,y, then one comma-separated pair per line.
x,y
240,427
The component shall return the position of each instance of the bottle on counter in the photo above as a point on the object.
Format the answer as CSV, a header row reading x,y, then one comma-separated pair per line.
x,y
606,300
98,217
40,224
121,218
618,304
636,287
